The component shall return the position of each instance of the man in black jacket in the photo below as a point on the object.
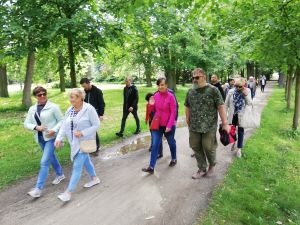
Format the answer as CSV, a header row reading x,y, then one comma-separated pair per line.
x,y
130,105
94,96
215,82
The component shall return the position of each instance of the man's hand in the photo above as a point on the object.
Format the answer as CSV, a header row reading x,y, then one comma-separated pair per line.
x,y
101,118
226,127
50,133
58,144
77,134
168,130
130,109
41,128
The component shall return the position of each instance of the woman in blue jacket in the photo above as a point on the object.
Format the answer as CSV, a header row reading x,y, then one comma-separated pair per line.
x,y
80,124
45,118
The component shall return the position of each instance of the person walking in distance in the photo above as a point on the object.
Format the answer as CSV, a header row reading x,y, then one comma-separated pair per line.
x,y
94,96
45,119
202,105
130,105
263,83
214,80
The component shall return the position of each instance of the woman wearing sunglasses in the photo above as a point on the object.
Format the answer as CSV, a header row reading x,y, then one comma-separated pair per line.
x,y
45,119
235,103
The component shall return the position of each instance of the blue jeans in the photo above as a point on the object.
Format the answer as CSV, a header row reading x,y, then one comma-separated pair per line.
x,y
157,140
80,160
48,158
240,137
160,150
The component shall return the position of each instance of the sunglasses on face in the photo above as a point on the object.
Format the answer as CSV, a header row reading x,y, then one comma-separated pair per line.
x,y
240,87
195,78
41,94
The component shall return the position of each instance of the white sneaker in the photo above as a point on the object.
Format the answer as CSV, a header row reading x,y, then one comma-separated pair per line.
x,y
92,183
35,193
58,179
239,153
65,197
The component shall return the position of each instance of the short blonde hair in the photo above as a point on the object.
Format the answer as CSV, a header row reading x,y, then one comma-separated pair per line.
x,y
78,92
240,81
199,70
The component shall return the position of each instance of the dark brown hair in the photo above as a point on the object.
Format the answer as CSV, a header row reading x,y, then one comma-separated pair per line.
x,y
159,80
39,89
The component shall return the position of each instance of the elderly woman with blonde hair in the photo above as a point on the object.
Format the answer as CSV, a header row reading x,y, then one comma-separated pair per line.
x,y
236,101
79,126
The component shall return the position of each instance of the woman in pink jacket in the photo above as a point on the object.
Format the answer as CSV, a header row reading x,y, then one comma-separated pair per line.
x,y
164,106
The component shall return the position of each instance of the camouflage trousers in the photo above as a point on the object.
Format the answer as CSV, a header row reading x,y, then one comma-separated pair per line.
x,y
204,145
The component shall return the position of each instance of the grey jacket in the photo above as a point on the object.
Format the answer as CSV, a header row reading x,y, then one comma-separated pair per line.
x,y
86,121
50,116
229,106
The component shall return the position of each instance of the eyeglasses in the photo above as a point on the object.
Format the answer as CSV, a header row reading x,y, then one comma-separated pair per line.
x,y
195,78
41,94
239,87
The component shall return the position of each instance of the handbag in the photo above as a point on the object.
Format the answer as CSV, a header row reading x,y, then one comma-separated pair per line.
x,y
227,138
250,118
88,146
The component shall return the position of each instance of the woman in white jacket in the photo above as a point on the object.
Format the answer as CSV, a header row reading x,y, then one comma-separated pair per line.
x,y
80,124
45,118
235,103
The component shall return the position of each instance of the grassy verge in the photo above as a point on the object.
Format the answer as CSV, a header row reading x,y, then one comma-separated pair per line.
x,y
263,187
20,155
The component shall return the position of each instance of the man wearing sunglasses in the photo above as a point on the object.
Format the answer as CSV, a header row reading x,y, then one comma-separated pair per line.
x,y
203,103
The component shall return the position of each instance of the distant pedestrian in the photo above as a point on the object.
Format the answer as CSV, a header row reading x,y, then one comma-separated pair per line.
x,y
45,118
203,103
229,87
214,80
149,117
263,83
94,96
79,126
235,104
164,107
130,105
251,84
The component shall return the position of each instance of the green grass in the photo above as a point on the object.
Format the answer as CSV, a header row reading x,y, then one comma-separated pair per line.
x,y
264,186
20,155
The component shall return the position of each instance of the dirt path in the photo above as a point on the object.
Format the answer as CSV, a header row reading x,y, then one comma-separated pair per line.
x,y
126,196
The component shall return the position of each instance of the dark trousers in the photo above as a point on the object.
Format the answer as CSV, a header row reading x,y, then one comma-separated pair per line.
x,y
241,131
97,141
124,118
262,88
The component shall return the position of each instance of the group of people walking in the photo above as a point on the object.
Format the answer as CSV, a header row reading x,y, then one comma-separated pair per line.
x,y
203,103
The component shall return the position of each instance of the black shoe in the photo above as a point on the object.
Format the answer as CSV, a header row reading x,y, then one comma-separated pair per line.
x,y
119,134
148,170
193,155
173,163
160,156
137,132
95,154
150,149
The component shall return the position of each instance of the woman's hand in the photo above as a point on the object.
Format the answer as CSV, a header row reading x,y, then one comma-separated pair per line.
x,y
50,133
168,130
245,91
41,128
78,134
58,144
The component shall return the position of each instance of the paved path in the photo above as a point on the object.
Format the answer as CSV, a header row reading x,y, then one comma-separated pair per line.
x,y
126,196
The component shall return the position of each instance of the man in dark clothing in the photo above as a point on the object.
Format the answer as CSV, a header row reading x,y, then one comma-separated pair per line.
x,y
130,105
94,96
215,82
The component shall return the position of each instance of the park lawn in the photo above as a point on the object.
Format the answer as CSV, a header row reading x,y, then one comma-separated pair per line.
x,y
264,186
20,155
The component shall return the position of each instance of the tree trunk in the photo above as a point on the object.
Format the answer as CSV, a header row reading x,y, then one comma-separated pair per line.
x,y
61,71
26,101
243,72
289,86
250,69
148,72
3,81
256,71
281,80
72,61
297,99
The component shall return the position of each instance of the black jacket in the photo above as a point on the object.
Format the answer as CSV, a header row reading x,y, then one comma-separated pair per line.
x,y
95,98
219,86
131,98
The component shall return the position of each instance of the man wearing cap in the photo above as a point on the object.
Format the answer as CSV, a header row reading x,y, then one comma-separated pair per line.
x,y
94,96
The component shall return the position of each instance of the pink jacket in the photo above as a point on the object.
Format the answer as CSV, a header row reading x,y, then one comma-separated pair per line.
x,y
165,105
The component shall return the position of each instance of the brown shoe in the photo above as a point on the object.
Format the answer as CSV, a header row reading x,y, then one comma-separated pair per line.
x,y
210,171
94,154
199,174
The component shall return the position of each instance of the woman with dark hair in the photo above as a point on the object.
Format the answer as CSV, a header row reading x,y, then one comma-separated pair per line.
x,y
149,118
45,118
164,107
